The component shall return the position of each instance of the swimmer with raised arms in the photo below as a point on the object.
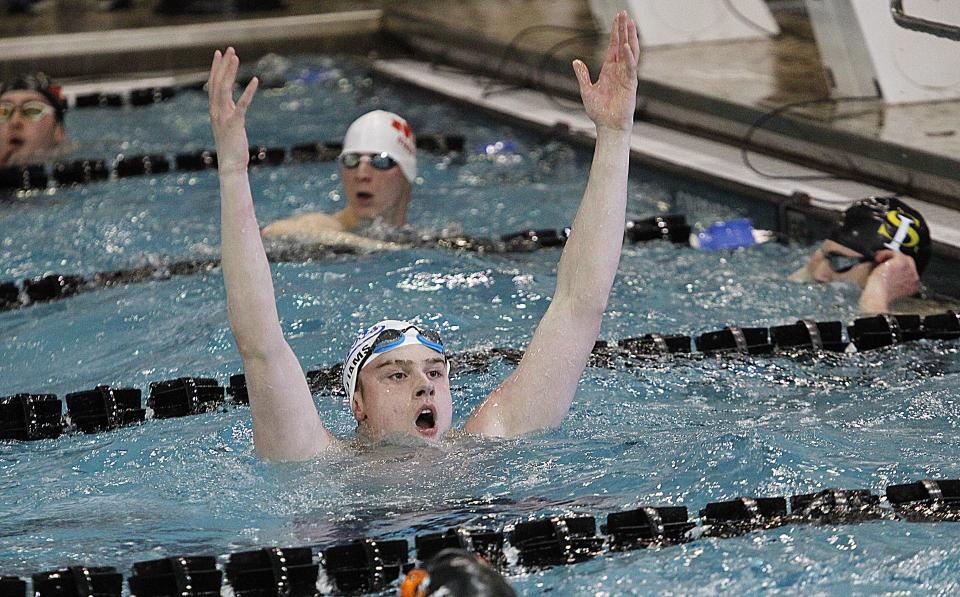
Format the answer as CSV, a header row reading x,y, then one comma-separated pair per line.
x,y
397,373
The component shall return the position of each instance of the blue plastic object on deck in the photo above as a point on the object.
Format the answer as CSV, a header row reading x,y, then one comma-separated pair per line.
x,y
732,234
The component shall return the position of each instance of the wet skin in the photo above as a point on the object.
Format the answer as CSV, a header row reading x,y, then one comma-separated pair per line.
x,y
405,390
819,270
373,193
889,277
23,141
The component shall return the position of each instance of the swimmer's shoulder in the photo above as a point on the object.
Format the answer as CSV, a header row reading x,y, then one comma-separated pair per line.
x,y
303,225
323,229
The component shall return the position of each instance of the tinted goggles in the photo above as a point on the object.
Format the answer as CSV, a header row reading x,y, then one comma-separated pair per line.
x,y
380,161
390,339
32,110
841,263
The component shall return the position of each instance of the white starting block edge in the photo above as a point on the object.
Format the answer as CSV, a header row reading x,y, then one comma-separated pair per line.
x,y
706,159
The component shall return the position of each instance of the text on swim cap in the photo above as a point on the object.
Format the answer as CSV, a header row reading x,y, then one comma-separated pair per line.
x,y
905,231
406,136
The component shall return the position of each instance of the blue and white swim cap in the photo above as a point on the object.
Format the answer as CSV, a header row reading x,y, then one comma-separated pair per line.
x,y
380,338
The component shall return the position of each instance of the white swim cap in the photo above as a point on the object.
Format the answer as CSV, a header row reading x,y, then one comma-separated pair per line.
x,y
381,131
373,342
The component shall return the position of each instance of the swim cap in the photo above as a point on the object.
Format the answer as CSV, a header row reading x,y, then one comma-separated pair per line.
x,y
40,83
380,131
879,223
365,348
455,573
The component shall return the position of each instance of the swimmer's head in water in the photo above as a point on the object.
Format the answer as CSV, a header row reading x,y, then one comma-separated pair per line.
x,y
39,83
380,338
381,132
878,223
405,386
455,571
31,119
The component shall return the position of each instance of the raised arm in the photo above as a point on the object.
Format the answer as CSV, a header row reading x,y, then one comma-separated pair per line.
x,y
286,425
538,394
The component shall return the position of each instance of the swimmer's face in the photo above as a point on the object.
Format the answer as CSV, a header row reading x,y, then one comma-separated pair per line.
x,y
820,269
405,390
373,193
22,139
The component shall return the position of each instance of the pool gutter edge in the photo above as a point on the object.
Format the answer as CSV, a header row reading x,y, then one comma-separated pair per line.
x,y
186,46
805,206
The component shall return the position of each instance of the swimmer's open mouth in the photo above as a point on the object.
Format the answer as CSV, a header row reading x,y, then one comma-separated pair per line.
x,y
16,141
426,420
364,196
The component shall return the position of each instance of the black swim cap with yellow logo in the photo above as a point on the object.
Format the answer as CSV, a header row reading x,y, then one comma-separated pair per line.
x,y
877,223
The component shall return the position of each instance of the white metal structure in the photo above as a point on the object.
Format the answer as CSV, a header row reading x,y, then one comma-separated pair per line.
x,y
672,22
866,52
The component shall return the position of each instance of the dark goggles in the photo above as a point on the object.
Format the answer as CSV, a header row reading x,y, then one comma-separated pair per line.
x,y
32,110
380,161
841,263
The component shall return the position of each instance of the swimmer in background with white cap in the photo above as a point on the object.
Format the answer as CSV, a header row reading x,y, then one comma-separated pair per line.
x,y
396,372
378,165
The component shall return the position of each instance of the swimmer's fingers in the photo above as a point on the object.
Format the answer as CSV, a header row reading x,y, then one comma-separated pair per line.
x,y
214,65
614,46
583,77
633,40
221,93
228,77
247,97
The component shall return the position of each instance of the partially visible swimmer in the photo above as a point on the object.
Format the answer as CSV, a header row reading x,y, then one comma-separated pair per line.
x,y
882,245
455,573
31,120
378,165
397,373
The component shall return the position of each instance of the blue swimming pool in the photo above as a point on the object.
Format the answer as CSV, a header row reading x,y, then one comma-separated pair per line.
x,y
684,430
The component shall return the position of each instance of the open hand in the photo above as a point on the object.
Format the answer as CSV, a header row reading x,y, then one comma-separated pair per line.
x,y
228,119
610,101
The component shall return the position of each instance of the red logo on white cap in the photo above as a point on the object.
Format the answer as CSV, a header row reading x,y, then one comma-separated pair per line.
x,y
406,140
404,128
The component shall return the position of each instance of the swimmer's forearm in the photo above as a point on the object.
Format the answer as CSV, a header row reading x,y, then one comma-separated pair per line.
x,y
872,302
286,425
591,256
251,304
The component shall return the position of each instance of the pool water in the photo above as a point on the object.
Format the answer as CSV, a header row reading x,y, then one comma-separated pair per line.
x,y
684,430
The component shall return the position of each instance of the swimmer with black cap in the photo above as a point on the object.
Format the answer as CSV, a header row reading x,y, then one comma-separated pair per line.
x,y
455,573
31,120
378,165
882,245
396,373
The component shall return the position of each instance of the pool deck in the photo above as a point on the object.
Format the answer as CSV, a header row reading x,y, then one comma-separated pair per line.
x,y
697,102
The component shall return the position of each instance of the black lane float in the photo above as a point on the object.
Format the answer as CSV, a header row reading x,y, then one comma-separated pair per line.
x,y
27,416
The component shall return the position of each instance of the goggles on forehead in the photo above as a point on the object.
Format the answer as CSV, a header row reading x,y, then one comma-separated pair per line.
x,y
32,110
380,161
390,339
841,263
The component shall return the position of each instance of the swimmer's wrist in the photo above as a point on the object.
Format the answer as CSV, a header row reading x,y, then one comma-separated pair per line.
x,y
603,129
232,170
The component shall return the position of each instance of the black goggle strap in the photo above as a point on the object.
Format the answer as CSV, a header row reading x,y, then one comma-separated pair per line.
x,y
841,263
